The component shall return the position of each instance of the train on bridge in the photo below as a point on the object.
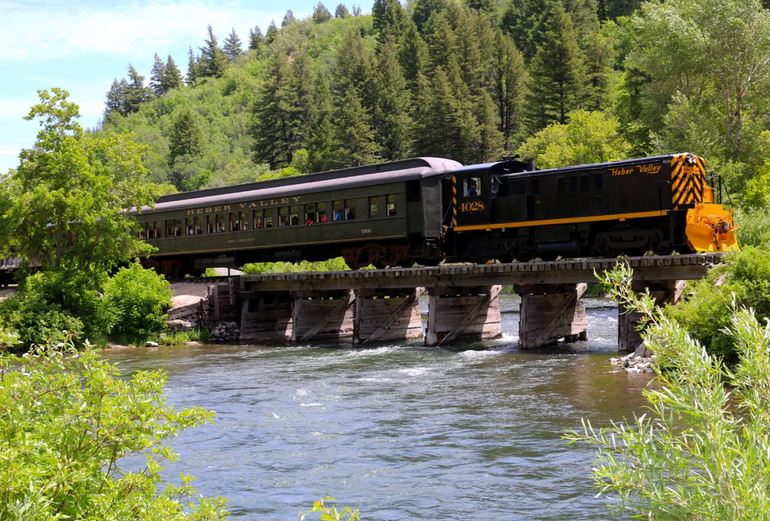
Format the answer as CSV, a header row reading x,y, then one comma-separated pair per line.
x,y
429,210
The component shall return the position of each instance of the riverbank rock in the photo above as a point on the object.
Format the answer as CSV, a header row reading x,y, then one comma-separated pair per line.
x,y
180,324
225,332
637,362
151,344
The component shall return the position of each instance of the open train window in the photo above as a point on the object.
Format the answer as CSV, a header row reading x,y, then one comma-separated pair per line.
x,y
283,216
239,222
192,226
472,187
338,207
174,228
211,224
322,213
311,215
220,223
350,210
294,215
269,217
374,207
259,219
390,206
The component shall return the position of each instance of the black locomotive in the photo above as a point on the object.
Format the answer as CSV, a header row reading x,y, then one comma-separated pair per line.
x,y
428,210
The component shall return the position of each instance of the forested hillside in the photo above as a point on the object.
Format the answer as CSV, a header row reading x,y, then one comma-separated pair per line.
x,y
564,81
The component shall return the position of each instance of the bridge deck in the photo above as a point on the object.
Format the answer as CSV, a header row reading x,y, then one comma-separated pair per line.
x,y
570,271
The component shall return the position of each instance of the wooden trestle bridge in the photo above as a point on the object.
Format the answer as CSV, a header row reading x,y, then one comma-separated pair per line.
x,y
382,305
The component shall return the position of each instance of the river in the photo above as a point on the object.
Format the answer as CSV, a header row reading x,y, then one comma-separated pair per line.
x,y
399,431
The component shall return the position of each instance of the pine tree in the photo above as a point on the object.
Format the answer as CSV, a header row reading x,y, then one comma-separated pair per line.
x,y
341,11
391,116
557,73
388,18
284,109
354,97
172,76
423,9
320,143
135,92
321,14
193,67
413,54
288,18
490,143
445,125
440,38
488,6
232,46
185,144
212,61
156,76
509,87
255,38
272,31
115,98
522,21
354,142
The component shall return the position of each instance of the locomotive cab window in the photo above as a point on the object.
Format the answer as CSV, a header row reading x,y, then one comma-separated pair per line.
x,y
472,187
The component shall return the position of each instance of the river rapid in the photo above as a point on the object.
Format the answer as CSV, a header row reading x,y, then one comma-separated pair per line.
x,y
399,431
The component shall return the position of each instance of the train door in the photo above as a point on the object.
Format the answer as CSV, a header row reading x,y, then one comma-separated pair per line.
x,y
474,194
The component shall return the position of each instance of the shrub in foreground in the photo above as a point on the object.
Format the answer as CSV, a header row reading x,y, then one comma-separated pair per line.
x,y
703,449
138,300
68,419
744,280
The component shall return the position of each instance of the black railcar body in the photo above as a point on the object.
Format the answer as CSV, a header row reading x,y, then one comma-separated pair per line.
x,y
663,203
386,215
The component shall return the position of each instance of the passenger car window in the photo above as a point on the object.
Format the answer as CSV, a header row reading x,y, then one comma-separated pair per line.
x,y
390,206
374,207
339,210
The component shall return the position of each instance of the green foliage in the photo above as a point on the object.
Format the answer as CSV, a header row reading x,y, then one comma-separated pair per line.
x,y
557,71
710,57
69,422
53,306
588,137
754,227
703,448
258,268
69,193
138,300
328,511
706,313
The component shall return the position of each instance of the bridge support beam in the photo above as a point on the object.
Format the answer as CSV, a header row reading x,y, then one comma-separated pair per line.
x,y
467,313
267,317
550,312
664,292
382,315
322,315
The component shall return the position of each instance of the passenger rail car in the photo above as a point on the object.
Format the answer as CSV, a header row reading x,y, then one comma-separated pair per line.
x,y
507,210
386,215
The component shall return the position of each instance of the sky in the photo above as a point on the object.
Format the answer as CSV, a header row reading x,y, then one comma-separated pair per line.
x,y
82,45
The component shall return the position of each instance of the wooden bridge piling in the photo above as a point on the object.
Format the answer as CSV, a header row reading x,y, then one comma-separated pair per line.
x,y
664,292
551,312
382,305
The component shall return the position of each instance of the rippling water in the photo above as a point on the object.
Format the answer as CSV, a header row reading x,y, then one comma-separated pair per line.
x,y
399,431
